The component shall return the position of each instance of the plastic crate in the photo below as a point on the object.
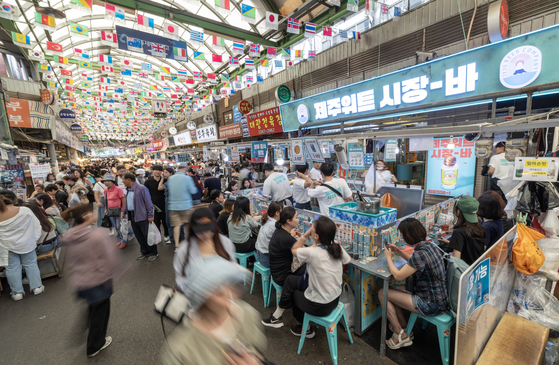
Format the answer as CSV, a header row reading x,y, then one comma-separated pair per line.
x,y
344,212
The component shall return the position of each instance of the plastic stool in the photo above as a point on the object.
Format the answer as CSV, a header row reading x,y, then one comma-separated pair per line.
x,y
279,290
243,259
444,323
330,322
265,273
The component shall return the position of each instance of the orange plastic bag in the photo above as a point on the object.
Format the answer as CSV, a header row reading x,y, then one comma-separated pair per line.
x,y
386,201
527,256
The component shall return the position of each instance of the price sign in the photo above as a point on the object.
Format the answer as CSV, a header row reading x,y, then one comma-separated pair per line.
x,y
265,122
245,107
536,169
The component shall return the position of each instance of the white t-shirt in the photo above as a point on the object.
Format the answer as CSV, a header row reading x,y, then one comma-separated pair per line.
x,y
100,187
20,233
325,273
384,178
501,166
316,175
60,176
300,193
277,186
327,198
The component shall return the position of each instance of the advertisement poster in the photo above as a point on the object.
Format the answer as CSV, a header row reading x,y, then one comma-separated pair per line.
x,y
297,151
182,139
265,122
278,153
451,171
259,151
236,114
12,174
312,147
390,149
235,153
325,148
39,172
356,155
478,288
536,169
206,134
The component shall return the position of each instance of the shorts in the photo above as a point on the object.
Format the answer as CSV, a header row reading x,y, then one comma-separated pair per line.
x,y
425,308
179,217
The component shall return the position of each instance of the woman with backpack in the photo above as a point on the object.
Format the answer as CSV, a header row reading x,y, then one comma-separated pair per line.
x,y
427,267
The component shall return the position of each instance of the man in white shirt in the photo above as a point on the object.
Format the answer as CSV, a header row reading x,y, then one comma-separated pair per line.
x,y
301,188
63,172
315,172
331,192
277,186
498,168
121,171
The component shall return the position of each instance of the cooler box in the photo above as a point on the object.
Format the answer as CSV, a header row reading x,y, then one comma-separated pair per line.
x,y
346,212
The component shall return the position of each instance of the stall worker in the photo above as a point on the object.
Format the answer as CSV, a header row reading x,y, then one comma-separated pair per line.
x,y
499,168
276,186
384,177
332,192
315,171
301,187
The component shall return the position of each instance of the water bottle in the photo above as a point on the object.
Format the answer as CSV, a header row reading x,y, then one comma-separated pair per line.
x,y
550,354
355,246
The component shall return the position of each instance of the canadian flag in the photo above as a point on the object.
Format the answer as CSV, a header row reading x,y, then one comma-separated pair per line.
x,y
108,37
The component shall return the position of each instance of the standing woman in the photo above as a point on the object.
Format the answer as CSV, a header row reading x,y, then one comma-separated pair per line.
x,y
99,194
267,231
115,200
240,225
383,177
491,213
81,178
91,262
196,198
19,232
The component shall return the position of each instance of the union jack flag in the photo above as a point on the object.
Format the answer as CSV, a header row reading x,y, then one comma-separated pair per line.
x,y
158,48
384,9
143,75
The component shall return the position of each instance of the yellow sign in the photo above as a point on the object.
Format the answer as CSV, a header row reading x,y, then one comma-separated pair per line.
x,y
536,163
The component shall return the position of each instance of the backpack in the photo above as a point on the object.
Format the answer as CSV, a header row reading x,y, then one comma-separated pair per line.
x,y
90,194
59,224
455,267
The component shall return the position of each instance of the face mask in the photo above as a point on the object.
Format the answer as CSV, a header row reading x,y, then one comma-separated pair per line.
x,y
380,168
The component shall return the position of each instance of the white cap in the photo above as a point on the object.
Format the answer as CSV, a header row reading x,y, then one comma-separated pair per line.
x,y
141,172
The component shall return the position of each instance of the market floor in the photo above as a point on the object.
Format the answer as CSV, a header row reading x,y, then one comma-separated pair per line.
x,y
42,329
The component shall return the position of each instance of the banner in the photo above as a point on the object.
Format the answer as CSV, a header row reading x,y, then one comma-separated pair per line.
x,y
478,292
12,174
28,114
39,172
230,131
297,151
265,122
206,134
536,169
151,44
259,151
235,153
355,156
312,147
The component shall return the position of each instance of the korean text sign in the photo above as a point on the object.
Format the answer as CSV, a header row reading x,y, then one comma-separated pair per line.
x,y
477,72
312,147
297,151
157,144
451,171
356,155
230,131
532,169
259,151
478,287
206,134
265,122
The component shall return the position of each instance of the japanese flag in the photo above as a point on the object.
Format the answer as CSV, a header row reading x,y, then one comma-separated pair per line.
x,y
271,20
171,30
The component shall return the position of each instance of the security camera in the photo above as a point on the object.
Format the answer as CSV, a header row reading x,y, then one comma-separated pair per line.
x,y
424,54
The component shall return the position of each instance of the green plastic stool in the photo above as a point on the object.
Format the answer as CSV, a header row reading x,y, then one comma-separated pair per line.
x,y
330,322
444,323
243,260
279,290
265,273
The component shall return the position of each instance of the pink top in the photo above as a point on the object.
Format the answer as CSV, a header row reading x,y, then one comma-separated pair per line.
x,y
114,197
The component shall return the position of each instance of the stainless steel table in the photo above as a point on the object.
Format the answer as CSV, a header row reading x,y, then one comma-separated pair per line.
x,y
373,268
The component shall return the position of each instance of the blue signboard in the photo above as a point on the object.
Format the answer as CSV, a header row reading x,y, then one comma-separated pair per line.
x,y
244,126
526,60
67,114
478,287
236,114
151,44
259,151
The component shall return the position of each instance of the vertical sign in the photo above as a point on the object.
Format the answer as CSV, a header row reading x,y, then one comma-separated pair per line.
x,y
244,126
235,153
356,156
278,153
205,149
390,150
236,114
478,287
297,151
259,151
325,147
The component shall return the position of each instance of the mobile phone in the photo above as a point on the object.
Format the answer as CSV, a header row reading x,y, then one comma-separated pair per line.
x,y
157,208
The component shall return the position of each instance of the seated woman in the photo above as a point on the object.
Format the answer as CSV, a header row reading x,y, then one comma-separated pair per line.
x,y
426,264
267,231
45,201
490,213
203,241
224,216
49,239
233,186
240,225
245,184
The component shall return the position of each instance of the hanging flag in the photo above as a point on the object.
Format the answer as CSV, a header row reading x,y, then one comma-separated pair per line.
x,y
327,31
10,12
286,53
189,81
265,63
238,48
197,75
271,52
197,37
353,5
159,76
289,64
310,30
278,63
223,6
199,57
248,13
233,60
254,50
61,60
109,38
217,58
143,75
343,35
36,55
86,65
115,13
145,23
224,77
125,72
293,25
210,76
356,35
370,6
312,55
146,67
259,79
108,69
137,85
218,43
54,49
21,40
85,85
182,73
158,50
105,60
249,63
171,30
271,20
52,85
126,65
81,54
44,21
397,13
180,54
298,53
384,9
165,70
104,80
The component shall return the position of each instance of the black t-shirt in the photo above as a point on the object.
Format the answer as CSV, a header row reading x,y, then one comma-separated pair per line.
x,y
470,248
222,224
280,255
493,231
61,197
157,196
212,183
216,208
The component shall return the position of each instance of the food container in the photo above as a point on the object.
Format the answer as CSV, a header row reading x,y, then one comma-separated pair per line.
x,y
348,212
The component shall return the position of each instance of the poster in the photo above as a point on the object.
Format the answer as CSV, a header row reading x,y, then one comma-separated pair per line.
x,y
150,44
39,172
12,174
451,171
278,153
536,169
390,149
312,147
297,151
182,139
236,114
325,148
478,288
259,151
206,134
356,155
235,153
265,122
244,126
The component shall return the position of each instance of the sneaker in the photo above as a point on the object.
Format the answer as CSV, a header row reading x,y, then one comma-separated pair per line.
x,y
298,329
273,322
39,290
118,244
176,249
111,232
167,239
141,257
152,258
108,341
17,296
123,246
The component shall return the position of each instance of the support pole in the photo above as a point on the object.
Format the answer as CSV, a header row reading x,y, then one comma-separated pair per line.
x,y
53,159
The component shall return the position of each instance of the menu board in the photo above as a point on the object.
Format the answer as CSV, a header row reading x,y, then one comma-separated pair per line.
x,y
313,149
265,122
297,151
356,155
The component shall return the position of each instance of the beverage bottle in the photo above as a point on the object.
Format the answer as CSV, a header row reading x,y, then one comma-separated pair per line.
x,y
550,354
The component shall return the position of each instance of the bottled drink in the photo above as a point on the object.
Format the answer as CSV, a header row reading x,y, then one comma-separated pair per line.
x,y
550,354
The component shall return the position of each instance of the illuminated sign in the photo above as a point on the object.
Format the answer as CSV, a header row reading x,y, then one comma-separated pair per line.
x,y
182,139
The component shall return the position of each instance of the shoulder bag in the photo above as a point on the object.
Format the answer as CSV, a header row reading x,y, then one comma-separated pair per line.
x,y
334,190
111,212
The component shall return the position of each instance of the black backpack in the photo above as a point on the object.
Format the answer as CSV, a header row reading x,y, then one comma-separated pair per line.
x,y
90,194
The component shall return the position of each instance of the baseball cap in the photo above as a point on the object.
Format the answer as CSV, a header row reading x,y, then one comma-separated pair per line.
x,y
468,206
202,220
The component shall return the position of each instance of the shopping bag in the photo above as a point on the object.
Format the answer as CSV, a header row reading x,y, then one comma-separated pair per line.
x,y
387,201
527,256
348,298
154,237
124,229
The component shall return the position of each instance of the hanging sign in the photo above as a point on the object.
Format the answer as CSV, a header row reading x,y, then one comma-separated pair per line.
x,y
355,155
265,122
77,129
230,131
206,134
159,108
325,148
150,44
67,114
278,153
39,172
236,114
157,144
164,134
182,139
536,169
297,151
390,150
259,151
150,138
48,96
245,107
498,20
478,292
244,126
235,153
313,149
283,94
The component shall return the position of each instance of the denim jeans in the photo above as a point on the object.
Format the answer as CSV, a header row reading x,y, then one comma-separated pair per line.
x,y
13,271
306,206
48,247
263,258
116,224
196,202
100,212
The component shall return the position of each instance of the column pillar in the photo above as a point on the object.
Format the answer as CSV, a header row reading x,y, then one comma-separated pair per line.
x,y
53,159
75,156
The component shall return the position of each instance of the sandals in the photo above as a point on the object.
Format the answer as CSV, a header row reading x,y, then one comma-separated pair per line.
x,y
411,336
401,343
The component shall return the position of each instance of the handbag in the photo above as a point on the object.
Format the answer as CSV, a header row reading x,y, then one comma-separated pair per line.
x,y
106,222
111,212
172,304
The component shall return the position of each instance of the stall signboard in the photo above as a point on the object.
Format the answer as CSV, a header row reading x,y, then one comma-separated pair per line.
x,y
230,131
355,155
65,136
236,114
193,136
244,126
39,172
28,114
451,172
259,151
265,122
206,134
390,149
77,129
536,169
235,153
478,287
245,107
525,60
12,174
182,139
158,144
67,114
313,149
297,151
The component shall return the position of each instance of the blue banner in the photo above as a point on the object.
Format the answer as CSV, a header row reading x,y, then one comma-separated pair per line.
x,y
150,44
478,288
259,151
236,114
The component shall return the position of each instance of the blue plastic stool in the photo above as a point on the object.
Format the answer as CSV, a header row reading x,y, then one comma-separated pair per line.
x,y
330,322
444,323
279,290
243,259
265,273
